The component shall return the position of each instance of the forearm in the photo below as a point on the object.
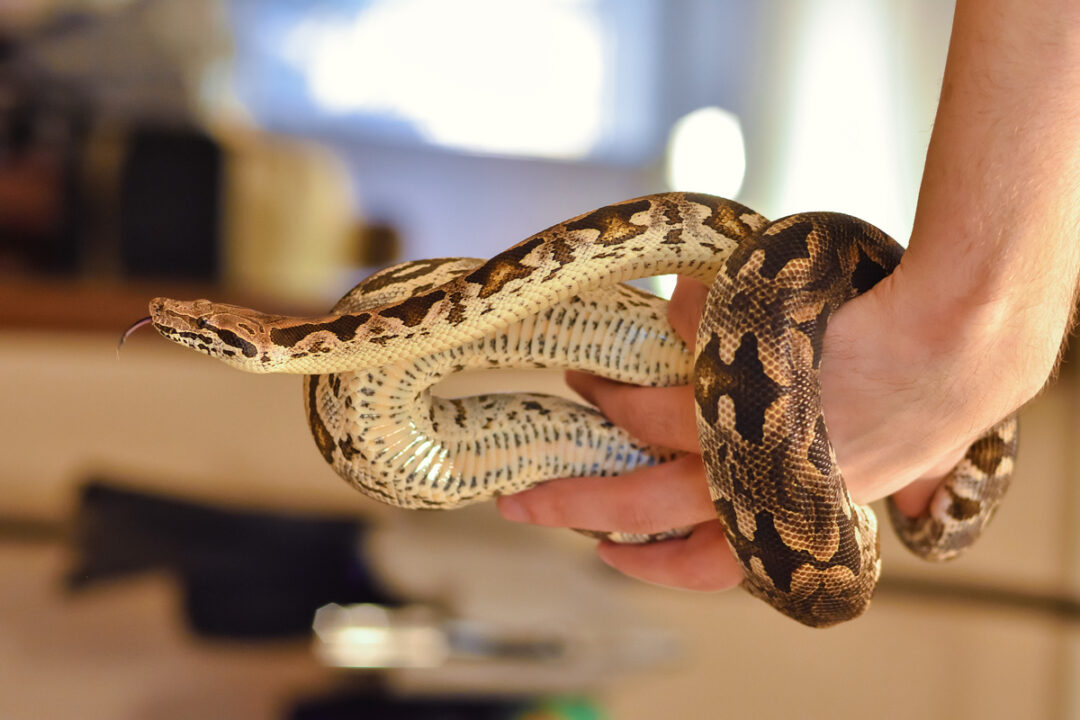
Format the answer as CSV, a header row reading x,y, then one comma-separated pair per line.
x,y
995,252
970,325
912,371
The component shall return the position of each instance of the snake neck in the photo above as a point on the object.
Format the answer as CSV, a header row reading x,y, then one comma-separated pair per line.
x,y
679,233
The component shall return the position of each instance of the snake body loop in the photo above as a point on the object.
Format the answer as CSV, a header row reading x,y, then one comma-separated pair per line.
x,y
556,300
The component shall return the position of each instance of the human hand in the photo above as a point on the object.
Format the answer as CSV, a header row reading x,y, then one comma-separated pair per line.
x,y
861,370
966,329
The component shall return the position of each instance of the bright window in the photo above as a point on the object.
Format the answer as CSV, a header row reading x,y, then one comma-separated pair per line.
x,y
531,78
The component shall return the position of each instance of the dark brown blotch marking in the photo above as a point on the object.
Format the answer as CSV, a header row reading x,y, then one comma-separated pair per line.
x,y
726,217
785,245
412,311
745,381
867,273
344,327
233,340
987,452
456,313
779,248
674,236
505,267
613,222
780,561
348,450
192,336
460,416
962,508
323,439
562,254
536,407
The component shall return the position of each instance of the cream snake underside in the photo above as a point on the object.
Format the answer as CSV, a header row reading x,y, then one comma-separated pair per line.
x,y
556,300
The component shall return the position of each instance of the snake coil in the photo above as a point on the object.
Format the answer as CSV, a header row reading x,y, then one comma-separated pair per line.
x,y
557,299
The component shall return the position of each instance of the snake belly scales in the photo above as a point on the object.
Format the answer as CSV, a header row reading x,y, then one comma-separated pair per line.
x,y
557,300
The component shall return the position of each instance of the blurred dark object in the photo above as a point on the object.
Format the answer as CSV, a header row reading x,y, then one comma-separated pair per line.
x,y
349,706
167,186
249,575
76,81
42,136
170,205
376,244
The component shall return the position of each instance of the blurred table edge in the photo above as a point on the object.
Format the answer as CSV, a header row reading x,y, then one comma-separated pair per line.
x,y
96,305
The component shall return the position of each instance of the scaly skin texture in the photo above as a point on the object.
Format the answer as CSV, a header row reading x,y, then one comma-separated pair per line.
x,y
554,300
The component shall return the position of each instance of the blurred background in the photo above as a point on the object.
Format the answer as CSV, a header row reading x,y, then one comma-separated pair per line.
x,y
172,544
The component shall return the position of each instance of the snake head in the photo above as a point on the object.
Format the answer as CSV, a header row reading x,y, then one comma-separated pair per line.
x,y
237,336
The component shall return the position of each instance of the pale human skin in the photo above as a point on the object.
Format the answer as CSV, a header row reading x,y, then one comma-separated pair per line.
x,y
966,330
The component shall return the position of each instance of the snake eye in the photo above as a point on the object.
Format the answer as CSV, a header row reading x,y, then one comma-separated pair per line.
x,y
200,323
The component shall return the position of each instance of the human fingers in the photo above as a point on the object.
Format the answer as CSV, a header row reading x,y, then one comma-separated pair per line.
x,y
661,416
686,307
647,500
702,561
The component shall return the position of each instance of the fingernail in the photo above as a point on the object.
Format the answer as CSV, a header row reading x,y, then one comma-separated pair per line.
x,y
512,509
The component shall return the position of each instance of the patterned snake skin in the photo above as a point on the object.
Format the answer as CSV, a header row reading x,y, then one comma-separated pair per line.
x,y
556,300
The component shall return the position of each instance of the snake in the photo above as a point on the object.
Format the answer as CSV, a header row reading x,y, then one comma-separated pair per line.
x,y
560,299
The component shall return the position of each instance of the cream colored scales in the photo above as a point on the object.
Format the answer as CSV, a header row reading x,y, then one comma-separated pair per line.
x,y
555,300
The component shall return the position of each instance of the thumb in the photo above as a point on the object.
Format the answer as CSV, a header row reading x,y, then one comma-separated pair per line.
x,y
686,307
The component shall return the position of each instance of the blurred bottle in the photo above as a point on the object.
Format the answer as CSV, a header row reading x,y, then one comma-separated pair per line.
x,y
290,228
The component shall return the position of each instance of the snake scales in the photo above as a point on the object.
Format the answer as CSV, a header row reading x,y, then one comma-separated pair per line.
x,y
556,300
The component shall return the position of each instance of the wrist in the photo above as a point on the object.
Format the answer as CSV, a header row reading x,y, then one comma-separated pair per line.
x,y
986,340
909,382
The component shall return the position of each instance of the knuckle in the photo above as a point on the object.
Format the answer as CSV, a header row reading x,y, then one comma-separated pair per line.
x,y
626,407
549,506
638,515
